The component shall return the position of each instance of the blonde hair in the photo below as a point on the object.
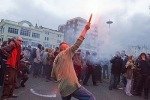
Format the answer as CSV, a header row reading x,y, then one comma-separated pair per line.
x,y
131,58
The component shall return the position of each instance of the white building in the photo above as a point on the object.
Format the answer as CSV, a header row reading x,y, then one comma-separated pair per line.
x,y
73,28
31,35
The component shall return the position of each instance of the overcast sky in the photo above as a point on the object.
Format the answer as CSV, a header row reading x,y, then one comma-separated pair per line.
x,y
131,18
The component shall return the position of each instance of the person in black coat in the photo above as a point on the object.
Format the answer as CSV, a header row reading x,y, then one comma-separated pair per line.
x,y
90,70
3,60
144,77
116,69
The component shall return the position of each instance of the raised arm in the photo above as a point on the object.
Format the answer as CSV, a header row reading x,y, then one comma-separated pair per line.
x,y
86,28
81,38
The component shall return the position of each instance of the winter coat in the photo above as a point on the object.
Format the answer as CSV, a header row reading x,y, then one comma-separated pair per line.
x,y
117,63
129,73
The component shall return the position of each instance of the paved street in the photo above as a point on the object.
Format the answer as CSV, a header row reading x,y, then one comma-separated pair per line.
x,y
38,89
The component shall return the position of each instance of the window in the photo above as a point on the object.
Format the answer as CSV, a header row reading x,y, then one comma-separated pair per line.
x,y
0,29
2,39
25,32
47,33
35,35
12,30
25,43
59,35
47,38
34,44
50,45
58,41
46,44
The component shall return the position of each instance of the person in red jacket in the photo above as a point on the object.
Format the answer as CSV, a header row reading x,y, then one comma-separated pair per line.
x,y
13,50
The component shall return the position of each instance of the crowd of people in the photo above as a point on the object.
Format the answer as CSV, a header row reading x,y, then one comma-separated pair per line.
x,y
133,72
71,67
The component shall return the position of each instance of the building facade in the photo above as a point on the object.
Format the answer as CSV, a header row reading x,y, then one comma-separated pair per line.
x,y
32,35
73,28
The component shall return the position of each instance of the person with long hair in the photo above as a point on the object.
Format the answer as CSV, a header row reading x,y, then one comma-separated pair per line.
x,y
144,76
129,74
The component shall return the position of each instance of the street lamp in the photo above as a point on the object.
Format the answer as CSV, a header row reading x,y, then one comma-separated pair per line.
x,y
109,22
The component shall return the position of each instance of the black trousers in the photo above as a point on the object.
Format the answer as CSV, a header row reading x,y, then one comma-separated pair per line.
x,y
24,78
10,79
89,71
48,71
36,69
143,82
98,73
136,77
2,72
78,70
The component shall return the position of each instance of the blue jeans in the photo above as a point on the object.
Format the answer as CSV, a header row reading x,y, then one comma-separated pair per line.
x,y
81,94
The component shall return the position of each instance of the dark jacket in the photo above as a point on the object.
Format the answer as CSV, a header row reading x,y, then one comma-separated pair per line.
x,y
8,52
117,63
144,67
124,63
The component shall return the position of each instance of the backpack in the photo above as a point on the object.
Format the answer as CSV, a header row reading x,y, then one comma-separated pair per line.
x,y
33,53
